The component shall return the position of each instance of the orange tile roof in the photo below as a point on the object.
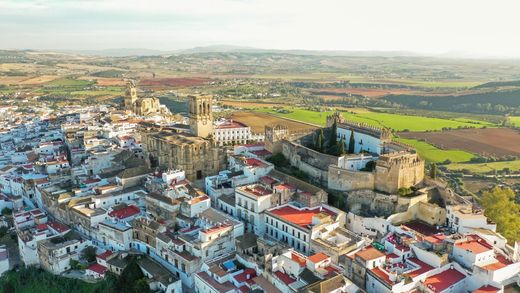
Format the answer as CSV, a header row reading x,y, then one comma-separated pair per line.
x,y
475,244
502,262
301,217
297,258
318,257
369,253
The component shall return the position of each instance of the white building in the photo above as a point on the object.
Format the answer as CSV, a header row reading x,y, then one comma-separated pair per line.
x,y
231,132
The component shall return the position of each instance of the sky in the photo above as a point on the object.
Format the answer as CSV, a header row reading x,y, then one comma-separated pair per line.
x,y
473,27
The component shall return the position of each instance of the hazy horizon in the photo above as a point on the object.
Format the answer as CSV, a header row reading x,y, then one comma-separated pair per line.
x,y
465,28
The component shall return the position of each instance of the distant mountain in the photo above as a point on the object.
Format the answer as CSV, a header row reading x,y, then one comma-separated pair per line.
x,y
117,52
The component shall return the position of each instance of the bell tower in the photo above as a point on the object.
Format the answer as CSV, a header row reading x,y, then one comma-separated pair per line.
x,y
201,116
130,95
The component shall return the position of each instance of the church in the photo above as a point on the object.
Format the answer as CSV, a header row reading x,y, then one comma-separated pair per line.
x,y
142,106
193,149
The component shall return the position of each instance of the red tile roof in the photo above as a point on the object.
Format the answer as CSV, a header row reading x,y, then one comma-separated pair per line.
x,y
383,276
104,255
318,257
284,277
444,280
58,226
475,244
98,268
423,267
247,274
125,212
253,162
301,217
41,227
487,289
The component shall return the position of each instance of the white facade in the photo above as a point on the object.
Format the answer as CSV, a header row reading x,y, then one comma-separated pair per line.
x,y
363,142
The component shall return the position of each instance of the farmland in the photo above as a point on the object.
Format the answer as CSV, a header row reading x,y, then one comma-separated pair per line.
x,y
258,121
173,82
397,122
433,154
483,168
515,121
490,141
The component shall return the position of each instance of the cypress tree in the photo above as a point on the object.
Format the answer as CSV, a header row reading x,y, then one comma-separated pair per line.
x,y
333,139
320,143
341,147
433,171
352,143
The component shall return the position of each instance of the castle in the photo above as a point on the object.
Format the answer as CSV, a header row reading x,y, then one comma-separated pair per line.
x,y
142,106
377,163
192,150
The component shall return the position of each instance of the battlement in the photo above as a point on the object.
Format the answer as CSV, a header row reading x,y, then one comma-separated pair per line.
x,y
361,127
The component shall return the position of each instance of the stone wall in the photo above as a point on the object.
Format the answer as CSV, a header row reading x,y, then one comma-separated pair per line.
x,y
347,180
371,203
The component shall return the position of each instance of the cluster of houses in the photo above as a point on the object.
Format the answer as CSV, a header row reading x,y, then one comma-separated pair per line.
x,y
76,181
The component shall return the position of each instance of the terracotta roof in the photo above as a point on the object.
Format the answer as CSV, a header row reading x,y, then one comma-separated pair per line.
x,y
475,244
487,289
369,253
98,268
423,267
58,226
299,259
318,257
301,217
444,280
383,276
125,212
104,255
501,262
284,277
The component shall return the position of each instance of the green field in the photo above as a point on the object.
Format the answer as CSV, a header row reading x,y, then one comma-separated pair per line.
x,y
68,82
435,155
486,167
515,120
397,122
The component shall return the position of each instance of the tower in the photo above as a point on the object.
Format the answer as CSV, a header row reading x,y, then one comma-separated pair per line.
x,y
130,95
201,116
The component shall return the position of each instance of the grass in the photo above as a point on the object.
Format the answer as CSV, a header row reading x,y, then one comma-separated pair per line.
x,y
69,82
397,122
433,154
515,120
483,168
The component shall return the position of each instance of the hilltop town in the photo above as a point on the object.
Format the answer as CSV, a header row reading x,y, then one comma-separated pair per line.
x,y
201,204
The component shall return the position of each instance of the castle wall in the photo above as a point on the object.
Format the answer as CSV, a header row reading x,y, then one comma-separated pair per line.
x,y
423,211
347,180
390,176
313,163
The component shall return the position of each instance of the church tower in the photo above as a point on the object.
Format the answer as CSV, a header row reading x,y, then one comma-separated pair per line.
x,y
201,116
130,96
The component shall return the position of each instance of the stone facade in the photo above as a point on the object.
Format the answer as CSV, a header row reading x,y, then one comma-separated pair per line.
x,y
142,106
170,148
201,115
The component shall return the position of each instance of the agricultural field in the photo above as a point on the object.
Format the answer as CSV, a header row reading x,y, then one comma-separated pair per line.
x,y
39,80
366,92
173,82
433,154
489,141
248,104
515,121
258,121
397,122
484,168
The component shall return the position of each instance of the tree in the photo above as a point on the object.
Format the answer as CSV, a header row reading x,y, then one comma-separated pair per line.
x,y
433,170
333,138
6,211
341,147
129,277
89,253
500,207
352,143
141,286
319,141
